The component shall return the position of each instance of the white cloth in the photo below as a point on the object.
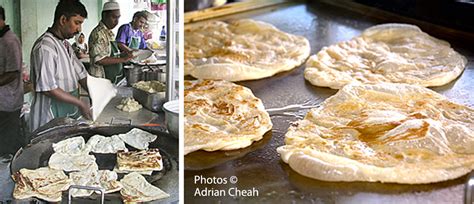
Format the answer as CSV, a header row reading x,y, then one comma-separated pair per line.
x,y
111,5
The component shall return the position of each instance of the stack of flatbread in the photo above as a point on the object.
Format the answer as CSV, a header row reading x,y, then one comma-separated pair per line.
x,y
221,115
44,183
397,53
143,160
387,132
72,155
241,50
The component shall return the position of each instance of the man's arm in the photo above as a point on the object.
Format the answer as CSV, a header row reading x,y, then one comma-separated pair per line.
x,y
83,83
8,77
63,96
114,60
123,47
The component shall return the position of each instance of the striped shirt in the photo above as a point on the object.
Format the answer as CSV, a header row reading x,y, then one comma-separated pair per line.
x,y
52,66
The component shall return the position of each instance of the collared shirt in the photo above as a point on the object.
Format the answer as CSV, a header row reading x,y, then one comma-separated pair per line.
x,y
99,48
125,34
11,94
53,65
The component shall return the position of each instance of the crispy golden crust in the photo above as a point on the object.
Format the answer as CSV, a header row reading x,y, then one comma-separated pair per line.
x,y
221,115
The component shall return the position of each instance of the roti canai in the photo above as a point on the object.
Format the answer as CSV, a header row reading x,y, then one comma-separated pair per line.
x,y
221,115
143,160
106,145
397,53
43,183
138,138
137,189
241,50
396,133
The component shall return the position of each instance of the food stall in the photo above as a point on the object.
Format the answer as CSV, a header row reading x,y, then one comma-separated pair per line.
x,y
259,166
111,121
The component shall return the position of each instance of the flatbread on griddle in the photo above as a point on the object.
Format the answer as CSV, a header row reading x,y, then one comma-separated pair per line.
x,y
138,138
137,189
387,132
106,145
397,53
142,160
43,183
241,50
221,115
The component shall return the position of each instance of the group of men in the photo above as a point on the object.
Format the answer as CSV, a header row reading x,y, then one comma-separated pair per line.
x,y
56,72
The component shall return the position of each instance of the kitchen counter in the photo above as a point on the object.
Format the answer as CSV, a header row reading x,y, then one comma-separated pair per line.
x,y
112,115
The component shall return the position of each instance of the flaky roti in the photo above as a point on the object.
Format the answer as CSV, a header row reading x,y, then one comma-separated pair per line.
x,y
71,146
101,91
221,115
138,138
83,178
106,145
43,183
137,189
241,50
66,162
395,133
105,179
397,53
149,172
143,160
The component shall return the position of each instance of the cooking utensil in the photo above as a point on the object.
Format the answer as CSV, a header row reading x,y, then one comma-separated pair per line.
x,y
171,109
469,186
133,74
101,190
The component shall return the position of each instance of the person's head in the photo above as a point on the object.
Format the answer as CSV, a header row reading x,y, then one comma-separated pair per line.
x,y
2,17
68,17
111,14
139,20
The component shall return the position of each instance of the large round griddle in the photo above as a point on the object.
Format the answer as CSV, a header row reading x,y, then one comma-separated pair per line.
x,y
37,154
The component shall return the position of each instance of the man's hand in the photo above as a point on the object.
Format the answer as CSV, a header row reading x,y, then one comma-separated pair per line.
x,y
127,56
85,110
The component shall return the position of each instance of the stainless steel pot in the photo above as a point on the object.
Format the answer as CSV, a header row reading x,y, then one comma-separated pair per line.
x,y
154,74
171,109
133,74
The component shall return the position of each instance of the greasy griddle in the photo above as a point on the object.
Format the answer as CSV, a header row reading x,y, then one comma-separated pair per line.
x,y
37,153
259,166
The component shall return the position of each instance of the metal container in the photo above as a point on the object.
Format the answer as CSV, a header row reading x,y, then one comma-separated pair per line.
x,y
133,74
154,74
151,101
171,109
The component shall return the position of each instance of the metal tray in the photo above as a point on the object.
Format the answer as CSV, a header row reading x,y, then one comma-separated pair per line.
x,y
259,166
151,101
